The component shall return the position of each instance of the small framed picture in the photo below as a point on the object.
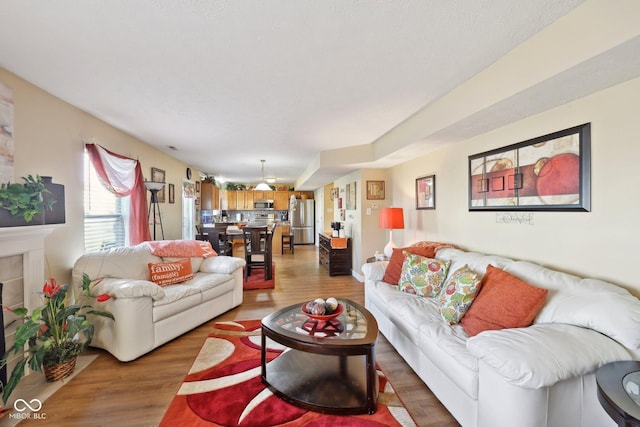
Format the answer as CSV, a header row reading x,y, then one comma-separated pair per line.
x,y
172,193
197,186
426,192
375,190
158,175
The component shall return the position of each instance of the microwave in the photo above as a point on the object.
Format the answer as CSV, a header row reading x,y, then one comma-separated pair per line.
x,y
263,204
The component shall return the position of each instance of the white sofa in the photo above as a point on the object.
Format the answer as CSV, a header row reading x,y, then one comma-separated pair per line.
x,y
541,375
148,315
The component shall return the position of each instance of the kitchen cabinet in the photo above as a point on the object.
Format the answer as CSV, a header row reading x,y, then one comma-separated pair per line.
x,y
281,200
210,196
302,194
244,200
263,195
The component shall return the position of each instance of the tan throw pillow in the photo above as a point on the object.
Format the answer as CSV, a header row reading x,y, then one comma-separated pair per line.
x,y
170,273
504,301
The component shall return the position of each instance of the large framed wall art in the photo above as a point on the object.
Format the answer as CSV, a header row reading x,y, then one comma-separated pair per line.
x,y
550,173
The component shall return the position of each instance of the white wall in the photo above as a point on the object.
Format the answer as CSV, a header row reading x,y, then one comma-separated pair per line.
x,y
601,243
48,137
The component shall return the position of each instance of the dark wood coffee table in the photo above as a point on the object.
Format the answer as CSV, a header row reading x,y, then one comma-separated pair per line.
x,y
327,366
612,381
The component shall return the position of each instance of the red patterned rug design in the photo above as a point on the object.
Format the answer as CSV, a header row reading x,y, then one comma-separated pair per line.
x,y
223,388
256,280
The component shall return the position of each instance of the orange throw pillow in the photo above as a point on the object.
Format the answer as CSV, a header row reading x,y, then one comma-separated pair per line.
x,y
504,301
169,273
394,268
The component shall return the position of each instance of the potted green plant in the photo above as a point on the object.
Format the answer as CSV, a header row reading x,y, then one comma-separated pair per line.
x,y
53,335
25,202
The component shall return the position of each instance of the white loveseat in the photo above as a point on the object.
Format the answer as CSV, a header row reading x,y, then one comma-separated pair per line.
x,y
146,314
541,375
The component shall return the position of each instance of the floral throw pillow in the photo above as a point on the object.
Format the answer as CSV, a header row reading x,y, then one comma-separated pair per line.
x,y
422,276
459,292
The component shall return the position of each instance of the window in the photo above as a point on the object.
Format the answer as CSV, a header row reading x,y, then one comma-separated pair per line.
x,y
105,214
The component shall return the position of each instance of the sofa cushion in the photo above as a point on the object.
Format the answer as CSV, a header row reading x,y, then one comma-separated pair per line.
x,y
544,354
374,271
422,276
126,288
460,289
221,264
127,262
475,260
504,301
394,268
590,303
169,273
195,261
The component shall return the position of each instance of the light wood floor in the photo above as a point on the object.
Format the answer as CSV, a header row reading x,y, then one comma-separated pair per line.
x,y
112,393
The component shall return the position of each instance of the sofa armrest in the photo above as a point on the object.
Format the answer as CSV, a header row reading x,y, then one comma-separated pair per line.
x,y
374,271
543,354
126,288
221,264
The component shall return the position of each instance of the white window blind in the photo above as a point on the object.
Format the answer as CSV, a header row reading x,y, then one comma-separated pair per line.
x,y
105,214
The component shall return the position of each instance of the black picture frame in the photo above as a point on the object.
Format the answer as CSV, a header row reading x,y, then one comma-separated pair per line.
x,y
548,173
172,193
426,192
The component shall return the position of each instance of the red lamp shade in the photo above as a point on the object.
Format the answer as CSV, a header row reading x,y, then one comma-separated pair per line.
x,y
391,218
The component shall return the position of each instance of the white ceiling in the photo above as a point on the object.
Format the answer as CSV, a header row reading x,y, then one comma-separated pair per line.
x,y
228,83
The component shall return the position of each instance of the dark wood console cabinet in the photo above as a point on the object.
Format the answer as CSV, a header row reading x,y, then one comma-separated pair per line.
x,y
337,260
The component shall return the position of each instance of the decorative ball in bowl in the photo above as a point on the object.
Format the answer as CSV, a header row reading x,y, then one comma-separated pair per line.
x,y
320,309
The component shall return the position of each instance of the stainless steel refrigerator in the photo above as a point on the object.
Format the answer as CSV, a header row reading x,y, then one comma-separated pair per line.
x,y
302,218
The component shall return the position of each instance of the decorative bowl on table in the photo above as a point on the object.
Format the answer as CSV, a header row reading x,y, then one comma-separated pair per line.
x,y
326,316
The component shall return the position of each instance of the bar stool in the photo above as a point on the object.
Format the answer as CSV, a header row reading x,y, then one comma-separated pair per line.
x,y
286,240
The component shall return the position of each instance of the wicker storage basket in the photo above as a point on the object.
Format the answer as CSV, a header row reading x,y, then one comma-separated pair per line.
x,y
57,372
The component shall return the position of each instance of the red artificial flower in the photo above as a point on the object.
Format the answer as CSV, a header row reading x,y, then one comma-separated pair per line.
x,y
43,329
64,326
50,289
102,297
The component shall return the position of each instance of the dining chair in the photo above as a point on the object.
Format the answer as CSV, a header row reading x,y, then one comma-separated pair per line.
x,y
257,250
220,241
286,239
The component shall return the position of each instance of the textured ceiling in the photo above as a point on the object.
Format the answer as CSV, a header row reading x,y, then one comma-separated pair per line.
x,y
228,83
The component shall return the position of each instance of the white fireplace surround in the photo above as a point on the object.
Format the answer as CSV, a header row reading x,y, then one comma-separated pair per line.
x,y
28,242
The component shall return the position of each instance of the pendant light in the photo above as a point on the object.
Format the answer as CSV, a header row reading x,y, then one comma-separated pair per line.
x,y
263,186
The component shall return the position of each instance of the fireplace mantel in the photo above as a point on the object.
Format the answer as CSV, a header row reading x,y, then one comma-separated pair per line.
x,y
28,242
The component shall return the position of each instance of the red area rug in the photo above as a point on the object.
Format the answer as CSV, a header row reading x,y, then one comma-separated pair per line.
x,y
256,280
223,388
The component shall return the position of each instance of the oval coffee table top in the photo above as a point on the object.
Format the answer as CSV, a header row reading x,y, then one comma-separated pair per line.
x,y
620,396
355,326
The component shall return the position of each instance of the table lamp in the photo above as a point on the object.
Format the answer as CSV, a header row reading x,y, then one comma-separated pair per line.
x,y
391,218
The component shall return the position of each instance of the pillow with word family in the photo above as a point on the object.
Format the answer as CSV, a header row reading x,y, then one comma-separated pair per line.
x,y
170,273
422,276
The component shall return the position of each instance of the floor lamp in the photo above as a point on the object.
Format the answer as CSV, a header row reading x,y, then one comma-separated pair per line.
x,y
154,187
391,218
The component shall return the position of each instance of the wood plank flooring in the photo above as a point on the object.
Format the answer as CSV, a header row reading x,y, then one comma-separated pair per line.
x,y
137,393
